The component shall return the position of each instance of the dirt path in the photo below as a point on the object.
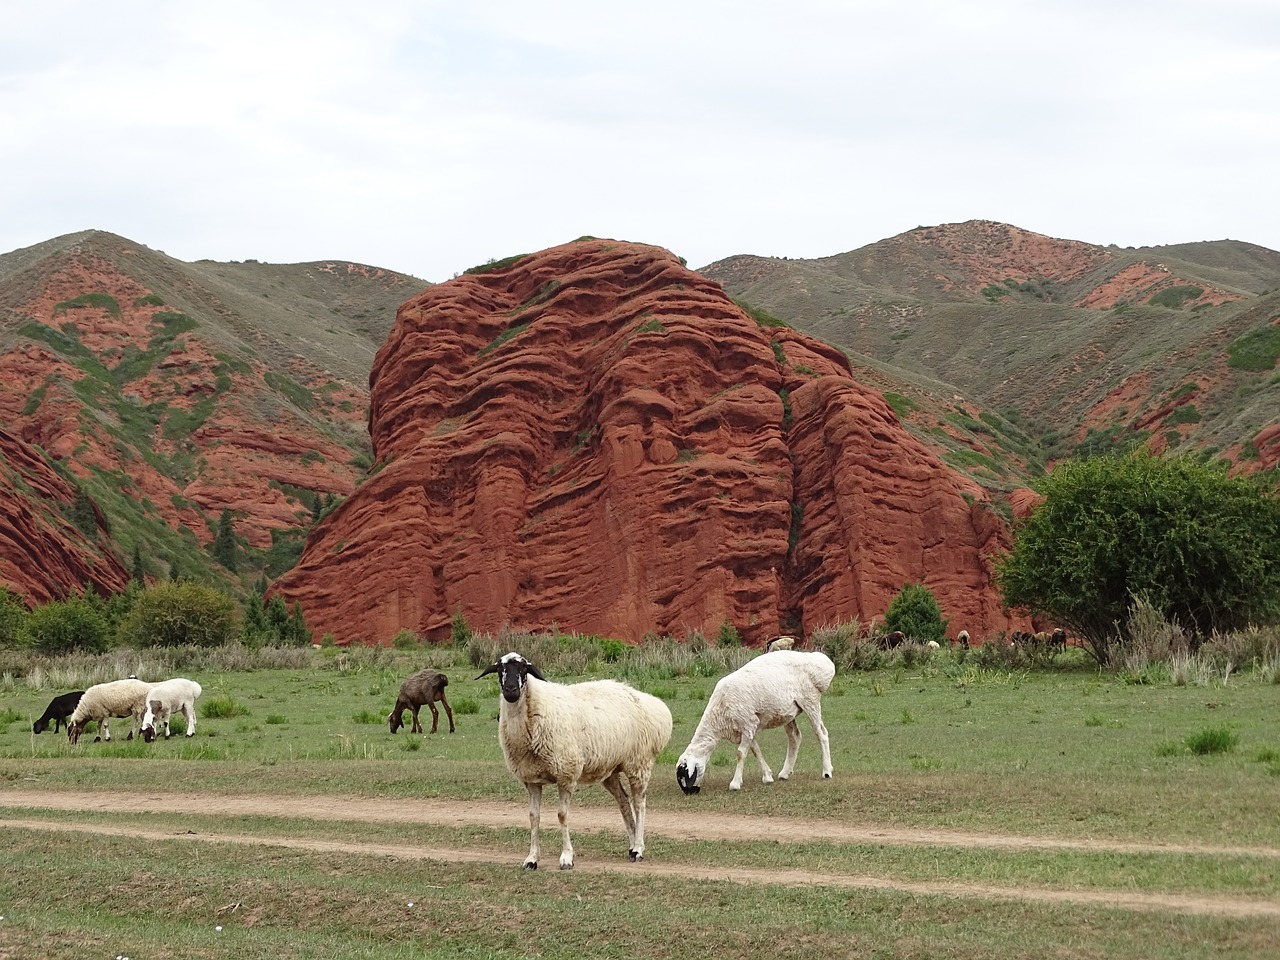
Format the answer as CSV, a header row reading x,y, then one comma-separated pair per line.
x,y
684,825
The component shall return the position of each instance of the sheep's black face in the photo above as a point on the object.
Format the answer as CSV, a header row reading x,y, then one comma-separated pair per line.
x,y
511,679
149,733
40,726
74,730
688,777
513,672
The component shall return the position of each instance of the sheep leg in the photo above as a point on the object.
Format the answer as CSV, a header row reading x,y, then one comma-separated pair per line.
x,y
417,727
747,744
639,791
189,711
815,717
793,750
104,731
535,817
447,709
566,845
613,783
766,770
435,716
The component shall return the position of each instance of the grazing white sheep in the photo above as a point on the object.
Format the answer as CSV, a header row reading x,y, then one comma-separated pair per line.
x,y
601,731
779,643
102,701
178,695
769,691
962,638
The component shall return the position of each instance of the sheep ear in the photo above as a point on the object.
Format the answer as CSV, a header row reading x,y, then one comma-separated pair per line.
x,y
534,670
492,668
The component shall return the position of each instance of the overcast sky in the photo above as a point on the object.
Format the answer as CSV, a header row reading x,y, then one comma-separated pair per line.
x,y
429,137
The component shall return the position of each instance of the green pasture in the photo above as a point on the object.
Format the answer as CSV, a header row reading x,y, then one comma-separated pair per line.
x,y
1119,769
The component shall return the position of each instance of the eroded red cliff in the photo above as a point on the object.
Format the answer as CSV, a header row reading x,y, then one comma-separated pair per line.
x,y
43,556
598,438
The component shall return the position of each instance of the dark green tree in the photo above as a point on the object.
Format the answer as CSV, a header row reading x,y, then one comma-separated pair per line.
x,y
83,514
224,542
916,613
13,618
1201,547
299,634
139,575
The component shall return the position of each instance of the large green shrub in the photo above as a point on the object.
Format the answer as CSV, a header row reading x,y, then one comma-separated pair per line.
x,y
916,613
60,626
177,613
1202,548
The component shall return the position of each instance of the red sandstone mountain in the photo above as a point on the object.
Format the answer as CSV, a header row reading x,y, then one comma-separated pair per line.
x,y
1080,346
598,438
42,555
171,392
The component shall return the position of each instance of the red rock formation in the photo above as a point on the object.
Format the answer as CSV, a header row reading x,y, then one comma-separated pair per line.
x,y
42,556
598,438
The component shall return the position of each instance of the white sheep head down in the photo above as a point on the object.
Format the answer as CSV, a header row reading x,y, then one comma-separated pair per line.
x,y
512,670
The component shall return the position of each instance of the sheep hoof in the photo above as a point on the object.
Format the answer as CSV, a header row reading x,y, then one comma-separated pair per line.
x,y
826,776
531,865
635,855
566,866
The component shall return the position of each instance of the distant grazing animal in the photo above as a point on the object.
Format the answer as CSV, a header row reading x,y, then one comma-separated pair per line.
x,y
59,708
962,638
601,731
933,645
1058,639
769,691
890,640
779,643
424,687
178,695
102,701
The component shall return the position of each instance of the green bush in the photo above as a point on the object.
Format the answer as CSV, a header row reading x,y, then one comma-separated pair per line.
x,y
177,613
916,613
728,635
60,626
1197,545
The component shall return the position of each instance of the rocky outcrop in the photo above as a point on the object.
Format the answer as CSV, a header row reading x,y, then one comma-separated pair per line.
x,y
43,556
598,438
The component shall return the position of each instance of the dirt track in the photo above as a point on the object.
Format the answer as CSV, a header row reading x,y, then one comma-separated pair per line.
x,y
686,825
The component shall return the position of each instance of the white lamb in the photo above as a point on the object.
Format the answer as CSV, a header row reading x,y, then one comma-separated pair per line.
x,y
178,695
769,691
116,698
601,731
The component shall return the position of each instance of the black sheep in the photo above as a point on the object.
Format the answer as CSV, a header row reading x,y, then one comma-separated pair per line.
x,y
60,708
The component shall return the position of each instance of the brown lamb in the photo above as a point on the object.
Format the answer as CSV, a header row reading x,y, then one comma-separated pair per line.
x,y
424,687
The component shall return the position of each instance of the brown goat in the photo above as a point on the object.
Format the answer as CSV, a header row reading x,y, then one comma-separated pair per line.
x,y
424,687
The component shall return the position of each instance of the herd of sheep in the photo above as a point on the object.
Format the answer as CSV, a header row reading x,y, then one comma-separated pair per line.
x,y
552,734
148,704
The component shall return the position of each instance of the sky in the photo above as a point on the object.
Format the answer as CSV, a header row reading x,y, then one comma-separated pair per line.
x,y
428,137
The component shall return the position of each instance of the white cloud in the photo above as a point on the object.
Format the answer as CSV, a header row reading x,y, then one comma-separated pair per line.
x,y
430,136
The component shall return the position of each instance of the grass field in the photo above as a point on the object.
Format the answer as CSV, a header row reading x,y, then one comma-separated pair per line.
x,y
974,813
